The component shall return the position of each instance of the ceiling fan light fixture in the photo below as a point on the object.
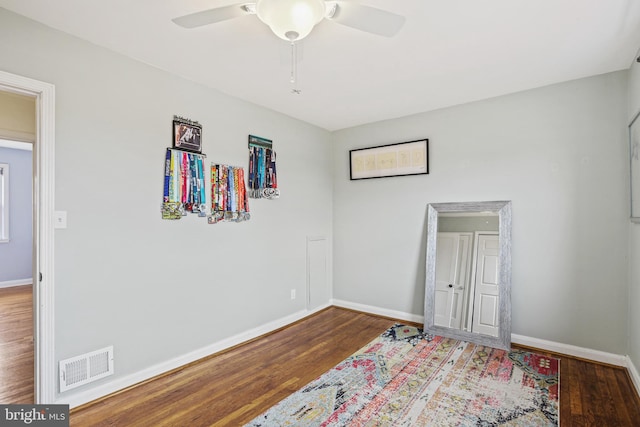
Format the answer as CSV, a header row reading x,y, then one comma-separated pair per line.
x,y
291,20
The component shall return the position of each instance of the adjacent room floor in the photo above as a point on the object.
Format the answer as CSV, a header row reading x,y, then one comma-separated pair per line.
x,y
16,345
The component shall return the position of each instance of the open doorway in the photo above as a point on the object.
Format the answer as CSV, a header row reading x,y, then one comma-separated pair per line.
x,y
17,136
16,249
43,96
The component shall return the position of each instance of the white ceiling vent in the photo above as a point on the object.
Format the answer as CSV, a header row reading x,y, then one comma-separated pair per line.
x,y
86,368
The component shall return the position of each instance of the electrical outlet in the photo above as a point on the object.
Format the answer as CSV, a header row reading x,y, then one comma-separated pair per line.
x,y
293,294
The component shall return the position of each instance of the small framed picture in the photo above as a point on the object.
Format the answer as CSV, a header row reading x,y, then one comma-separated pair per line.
x,y
187,135
401,159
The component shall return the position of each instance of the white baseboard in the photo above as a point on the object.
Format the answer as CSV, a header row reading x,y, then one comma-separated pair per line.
x,y
85,396
379,311
571,350
633,373
19,282
89,394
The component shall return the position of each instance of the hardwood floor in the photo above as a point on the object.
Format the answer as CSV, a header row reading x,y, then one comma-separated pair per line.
x,y
594,394
16,345
231,388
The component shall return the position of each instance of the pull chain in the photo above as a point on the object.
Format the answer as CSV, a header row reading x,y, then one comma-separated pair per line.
x,y
294,69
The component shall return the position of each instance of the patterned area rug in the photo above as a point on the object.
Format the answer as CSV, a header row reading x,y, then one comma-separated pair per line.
x,y
407,378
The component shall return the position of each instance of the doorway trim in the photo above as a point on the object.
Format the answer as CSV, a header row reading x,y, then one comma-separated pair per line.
x,y
43,235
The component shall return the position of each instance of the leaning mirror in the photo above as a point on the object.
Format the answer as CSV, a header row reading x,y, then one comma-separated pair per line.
x,y
468,272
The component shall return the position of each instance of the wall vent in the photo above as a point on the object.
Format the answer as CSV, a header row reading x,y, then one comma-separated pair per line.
x,y
85,368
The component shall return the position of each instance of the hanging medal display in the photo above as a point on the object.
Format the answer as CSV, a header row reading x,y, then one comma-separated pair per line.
x,y
229,201
263,182
184,184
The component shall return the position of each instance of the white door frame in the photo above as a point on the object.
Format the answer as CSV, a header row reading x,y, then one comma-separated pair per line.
x,y
43,202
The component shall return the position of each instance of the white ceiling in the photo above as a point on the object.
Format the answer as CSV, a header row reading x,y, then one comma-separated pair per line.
x,y
448,52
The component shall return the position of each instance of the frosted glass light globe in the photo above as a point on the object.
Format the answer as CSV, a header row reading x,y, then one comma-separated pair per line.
x,y
290,20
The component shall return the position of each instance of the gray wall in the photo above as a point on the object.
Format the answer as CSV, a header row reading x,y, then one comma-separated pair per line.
x,y
558,152
634,233
475,223
159,289
15,255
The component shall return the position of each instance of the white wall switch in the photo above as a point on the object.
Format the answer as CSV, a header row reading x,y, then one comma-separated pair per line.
x,y
293,294
60,219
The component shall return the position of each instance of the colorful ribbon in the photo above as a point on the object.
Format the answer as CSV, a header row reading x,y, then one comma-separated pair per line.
x,y
262,173
184,184
228,194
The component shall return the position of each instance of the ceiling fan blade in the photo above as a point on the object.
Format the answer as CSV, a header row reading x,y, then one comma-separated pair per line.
x,y
367,18
211,16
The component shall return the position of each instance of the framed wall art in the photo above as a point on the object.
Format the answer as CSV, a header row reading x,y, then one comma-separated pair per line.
x,y
187,135
400,159
634,159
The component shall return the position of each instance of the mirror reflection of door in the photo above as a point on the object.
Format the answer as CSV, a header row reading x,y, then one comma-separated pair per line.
x,y
485,306
452,267
466,295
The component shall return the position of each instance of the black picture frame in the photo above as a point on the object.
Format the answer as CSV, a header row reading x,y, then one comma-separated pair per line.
x,y
187,135
382,161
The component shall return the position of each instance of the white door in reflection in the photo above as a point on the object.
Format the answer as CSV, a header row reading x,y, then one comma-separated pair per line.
x,y
466,295
485,313
453,256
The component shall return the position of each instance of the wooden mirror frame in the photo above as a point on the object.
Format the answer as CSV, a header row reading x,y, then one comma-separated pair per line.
x,y
503,208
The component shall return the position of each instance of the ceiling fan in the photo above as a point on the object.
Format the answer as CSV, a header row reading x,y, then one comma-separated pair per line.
x,y
293,20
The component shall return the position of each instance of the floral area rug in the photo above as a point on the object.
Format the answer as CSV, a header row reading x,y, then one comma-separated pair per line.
x,y
407,378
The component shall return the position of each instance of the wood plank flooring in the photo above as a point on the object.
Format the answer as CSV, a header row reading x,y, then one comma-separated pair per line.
x,y
232,388
594,394
16,345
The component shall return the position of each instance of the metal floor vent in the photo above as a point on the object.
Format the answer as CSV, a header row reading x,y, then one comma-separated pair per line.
x,y
86,368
